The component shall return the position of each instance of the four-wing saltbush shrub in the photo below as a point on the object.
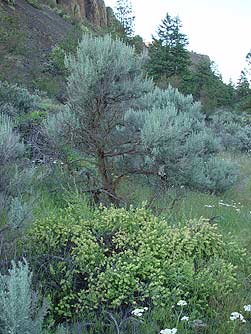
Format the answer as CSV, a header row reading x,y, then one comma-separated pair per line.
x,y
121,257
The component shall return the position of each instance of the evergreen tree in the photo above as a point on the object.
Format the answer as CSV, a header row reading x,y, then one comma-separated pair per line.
x,y
205,83
125,17
243,93
168,55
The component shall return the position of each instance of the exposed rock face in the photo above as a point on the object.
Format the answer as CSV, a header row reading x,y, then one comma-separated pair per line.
x,y
197,58
94,11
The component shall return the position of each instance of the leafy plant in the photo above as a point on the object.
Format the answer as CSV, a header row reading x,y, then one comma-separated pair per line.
x,y
119,258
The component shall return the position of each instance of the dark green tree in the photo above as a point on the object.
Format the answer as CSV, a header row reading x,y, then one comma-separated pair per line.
x,y
243,93
205,83
125,17
168,56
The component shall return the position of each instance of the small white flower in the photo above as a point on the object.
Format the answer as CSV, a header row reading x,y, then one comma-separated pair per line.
x,y
209,206
237,316
182,303
185,318
169,331
247,308
138,312
224,204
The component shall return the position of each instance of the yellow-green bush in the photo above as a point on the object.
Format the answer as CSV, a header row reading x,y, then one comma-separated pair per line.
x,y
119,258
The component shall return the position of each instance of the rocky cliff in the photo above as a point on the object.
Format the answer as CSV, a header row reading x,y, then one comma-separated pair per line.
x,y
94,11
30,29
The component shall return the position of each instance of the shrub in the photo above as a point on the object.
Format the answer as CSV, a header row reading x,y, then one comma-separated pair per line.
x,y
19,98
119,258
233,130
179,146
117,119
15,178
18,304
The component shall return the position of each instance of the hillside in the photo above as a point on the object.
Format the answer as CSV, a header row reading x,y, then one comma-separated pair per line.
x,y
29,31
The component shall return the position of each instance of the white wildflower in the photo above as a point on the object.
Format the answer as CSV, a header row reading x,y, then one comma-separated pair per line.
x,y
224,204
182,303
209,206
138,312
237,316
184,318
169,331
247,308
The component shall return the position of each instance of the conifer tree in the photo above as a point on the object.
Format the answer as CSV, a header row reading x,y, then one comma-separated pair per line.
x,y
243,93
126,19
168,55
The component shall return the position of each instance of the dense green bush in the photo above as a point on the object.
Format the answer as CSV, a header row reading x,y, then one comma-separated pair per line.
x,y
119,258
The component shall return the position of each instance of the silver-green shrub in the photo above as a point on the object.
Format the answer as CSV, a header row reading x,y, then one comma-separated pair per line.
x,y
116,120
19,313
233,129
18,97
15,178
178,145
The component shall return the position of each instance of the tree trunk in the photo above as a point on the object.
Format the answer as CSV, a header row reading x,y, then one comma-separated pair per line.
x,y
107,181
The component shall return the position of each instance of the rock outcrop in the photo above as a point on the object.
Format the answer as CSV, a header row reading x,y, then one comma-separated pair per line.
x,y
94,11
197,58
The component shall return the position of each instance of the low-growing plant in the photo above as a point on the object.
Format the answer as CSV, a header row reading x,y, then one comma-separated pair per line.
x,y
19,312
234,130
120,258
18,97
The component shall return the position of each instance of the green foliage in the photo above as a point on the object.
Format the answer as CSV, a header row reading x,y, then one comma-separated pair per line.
x,y
35,3
125,23
15,178
19,98
168,55
206,85
18,305
68,45
12,39
121,257
243,93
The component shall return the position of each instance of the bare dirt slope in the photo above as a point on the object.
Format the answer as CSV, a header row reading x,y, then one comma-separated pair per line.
x,y
27,36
